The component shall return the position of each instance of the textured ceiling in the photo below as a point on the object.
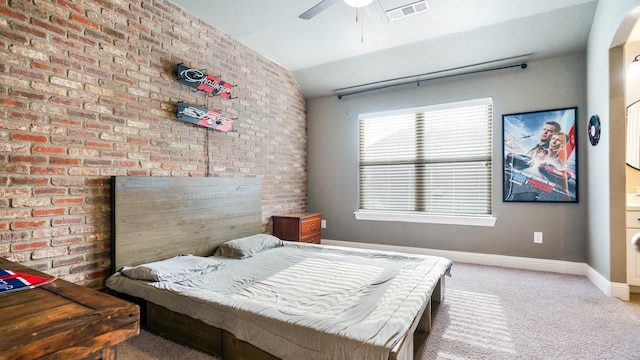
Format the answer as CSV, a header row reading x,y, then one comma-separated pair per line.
x,y
331,51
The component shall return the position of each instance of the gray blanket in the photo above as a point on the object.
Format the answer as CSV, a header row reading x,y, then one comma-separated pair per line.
x,y
305,301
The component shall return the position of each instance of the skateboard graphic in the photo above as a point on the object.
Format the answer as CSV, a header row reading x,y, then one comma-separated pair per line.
x,y
203,117
198,80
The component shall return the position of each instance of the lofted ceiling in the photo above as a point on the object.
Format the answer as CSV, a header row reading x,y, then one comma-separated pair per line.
x,y
333,54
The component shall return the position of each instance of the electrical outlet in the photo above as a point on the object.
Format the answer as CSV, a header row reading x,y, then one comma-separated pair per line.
x,y
537,237
323,224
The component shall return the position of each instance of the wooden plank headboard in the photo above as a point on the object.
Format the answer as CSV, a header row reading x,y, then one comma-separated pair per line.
x,y
153,218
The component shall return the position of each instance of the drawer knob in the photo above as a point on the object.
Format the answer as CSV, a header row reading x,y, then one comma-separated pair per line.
x,y
312,226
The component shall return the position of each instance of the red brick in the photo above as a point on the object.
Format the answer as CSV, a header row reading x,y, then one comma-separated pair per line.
x,y
70,6
29,95
97,182
9,214
126,164
138,172
98,162
135,140
49,149
84,21
49,212
67,221
30,74
28,137
83,268
47,253
13,103
26,115
99,145
98,274
171,166
67,201
31,180
66,102
45,170
48,26
66,43
25,246
28,224
65,161
65,121
12,14
13,36
28,159
51,190
58,241
149,149
49,232
97,126
67,260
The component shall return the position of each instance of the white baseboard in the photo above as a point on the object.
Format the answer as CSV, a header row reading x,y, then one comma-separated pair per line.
x,y
618,290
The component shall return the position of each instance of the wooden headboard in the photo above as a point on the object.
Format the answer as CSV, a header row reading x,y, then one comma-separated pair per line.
x,y
153,218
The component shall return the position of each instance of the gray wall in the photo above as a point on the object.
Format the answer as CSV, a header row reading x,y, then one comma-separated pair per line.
x,y
605,244
333,149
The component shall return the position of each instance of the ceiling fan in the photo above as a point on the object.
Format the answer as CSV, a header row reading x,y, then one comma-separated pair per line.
x,y
325,4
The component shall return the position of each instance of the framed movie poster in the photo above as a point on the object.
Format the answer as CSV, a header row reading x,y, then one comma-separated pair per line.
x,y
540,156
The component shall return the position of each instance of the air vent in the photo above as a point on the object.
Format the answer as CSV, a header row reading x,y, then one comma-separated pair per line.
x,y
407,10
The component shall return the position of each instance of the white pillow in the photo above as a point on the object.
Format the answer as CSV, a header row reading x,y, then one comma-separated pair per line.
x,y
175,269
248,246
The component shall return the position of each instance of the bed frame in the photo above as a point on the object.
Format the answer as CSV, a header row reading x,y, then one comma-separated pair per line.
x,y
154,218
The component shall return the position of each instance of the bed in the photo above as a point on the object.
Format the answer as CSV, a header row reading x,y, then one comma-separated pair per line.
x,y
241,294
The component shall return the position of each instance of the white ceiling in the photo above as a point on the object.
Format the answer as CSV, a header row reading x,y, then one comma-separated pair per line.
x,y
331,51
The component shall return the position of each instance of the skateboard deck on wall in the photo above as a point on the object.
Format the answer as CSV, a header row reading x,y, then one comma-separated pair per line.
x,y
203,117
198,80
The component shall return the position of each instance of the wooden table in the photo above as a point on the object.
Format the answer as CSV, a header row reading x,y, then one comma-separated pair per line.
x,y
62,320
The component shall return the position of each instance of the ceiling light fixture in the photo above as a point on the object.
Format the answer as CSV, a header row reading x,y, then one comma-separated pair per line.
x,y
358,3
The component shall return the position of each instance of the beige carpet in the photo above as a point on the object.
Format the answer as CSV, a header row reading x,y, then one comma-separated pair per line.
x,y
148,346
495,313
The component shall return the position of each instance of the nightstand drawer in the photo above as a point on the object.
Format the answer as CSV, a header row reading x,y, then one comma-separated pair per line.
x,y
301,227
310,226
312,239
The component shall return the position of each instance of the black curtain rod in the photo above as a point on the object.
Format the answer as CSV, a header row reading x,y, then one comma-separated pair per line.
x,y
340,96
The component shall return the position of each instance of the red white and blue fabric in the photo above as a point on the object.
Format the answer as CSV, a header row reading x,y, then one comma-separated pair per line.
x,y
14,281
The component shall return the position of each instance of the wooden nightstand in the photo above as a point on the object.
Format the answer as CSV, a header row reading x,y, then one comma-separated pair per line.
x,y
62,320
301,227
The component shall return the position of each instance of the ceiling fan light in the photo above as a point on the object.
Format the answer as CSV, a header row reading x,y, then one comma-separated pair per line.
x,y
358,3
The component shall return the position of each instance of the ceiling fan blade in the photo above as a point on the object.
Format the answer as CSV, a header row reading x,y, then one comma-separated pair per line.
x,y
317,9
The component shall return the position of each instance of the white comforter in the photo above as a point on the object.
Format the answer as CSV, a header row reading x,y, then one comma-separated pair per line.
x,y
306,301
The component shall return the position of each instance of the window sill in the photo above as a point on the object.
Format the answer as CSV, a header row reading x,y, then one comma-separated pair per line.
x,y
488,221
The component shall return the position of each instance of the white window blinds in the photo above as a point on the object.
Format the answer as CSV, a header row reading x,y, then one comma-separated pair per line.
x,y
434,159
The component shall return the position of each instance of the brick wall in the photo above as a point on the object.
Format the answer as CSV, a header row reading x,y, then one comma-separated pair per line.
x,y
88,90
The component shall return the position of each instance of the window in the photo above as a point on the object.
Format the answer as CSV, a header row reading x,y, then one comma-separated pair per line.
x,y
433,160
